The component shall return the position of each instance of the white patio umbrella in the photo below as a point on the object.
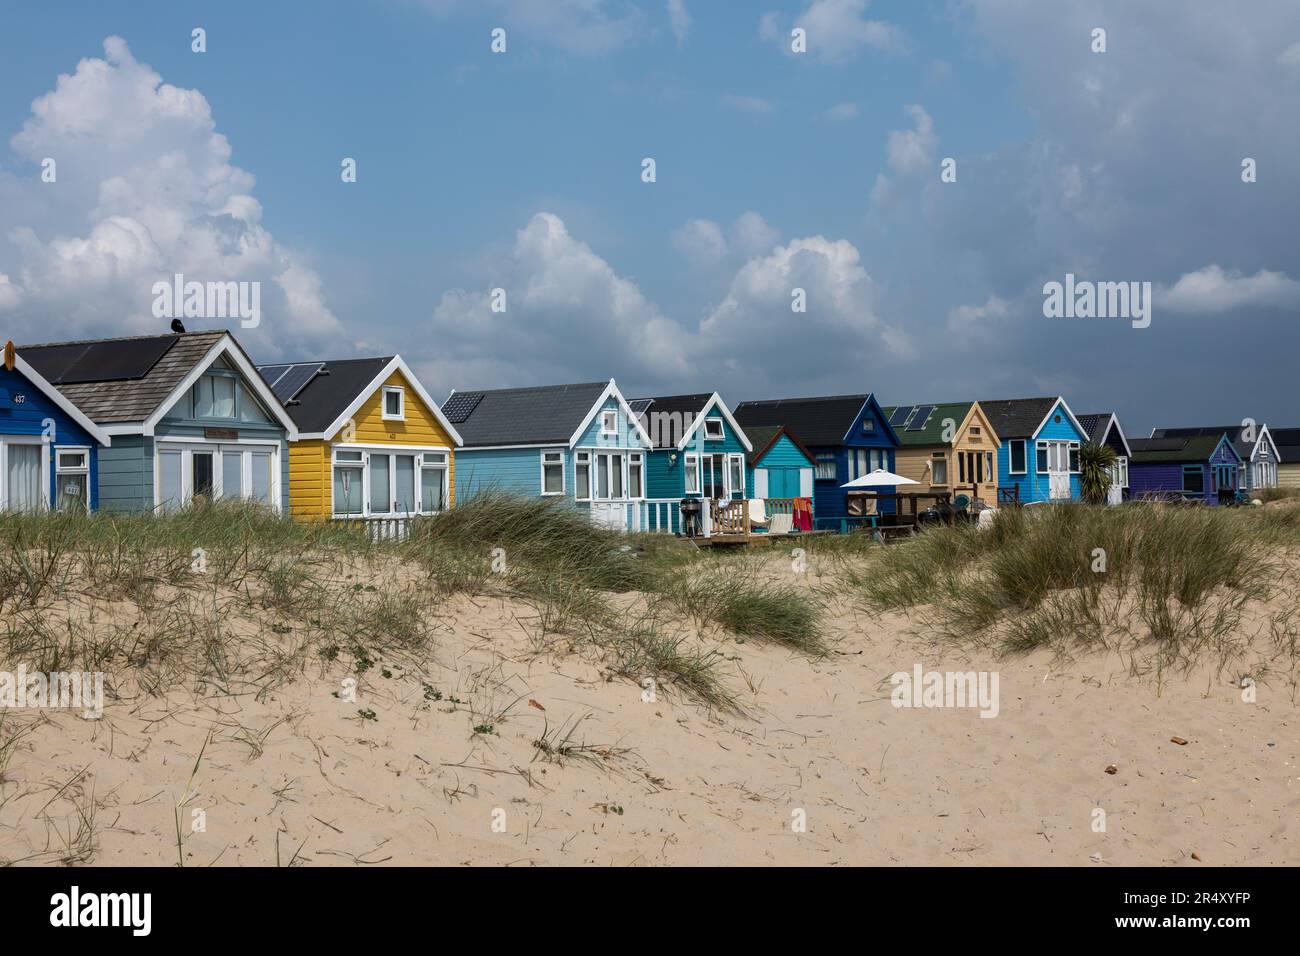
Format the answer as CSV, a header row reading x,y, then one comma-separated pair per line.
x,y
879,479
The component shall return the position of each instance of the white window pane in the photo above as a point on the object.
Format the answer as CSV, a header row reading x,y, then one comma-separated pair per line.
x,y
582,475
380,503
169,480
602,476
634,479
232,474
223,397
263,463
405,503
431,490
347,491
72,493
24,477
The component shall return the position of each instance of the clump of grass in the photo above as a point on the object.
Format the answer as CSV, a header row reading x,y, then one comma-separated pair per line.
x,y
643,650
747,605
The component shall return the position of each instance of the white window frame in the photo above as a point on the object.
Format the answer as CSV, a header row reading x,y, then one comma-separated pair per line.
x,y
1074,453
736,461
400,392
247,446
6,442
543,464
817,466
939,458
392,451
689,461
636,458
609,421
607,455
582,489
60,469
1011,458
708,429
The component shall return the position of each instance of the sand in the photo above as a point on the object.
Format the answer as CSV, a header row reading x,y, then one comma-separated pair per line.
x,y
300,776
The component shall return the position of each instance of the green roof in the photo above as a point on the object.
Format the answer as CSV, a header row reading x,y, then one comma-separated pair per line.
x,y
1195,448
932,433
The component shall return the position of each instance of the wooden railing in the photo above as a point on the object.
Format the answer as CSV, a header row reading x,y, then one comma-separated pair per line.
x,y
382,528
656,515
731,518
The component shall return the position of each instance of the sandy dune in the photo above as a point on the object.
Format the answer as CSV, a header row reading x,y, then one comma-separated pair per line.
x,y
301,776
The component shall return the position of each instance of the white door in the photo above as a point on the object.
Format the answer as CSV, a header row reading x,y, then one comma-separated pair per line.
x,y
1058,470
609,500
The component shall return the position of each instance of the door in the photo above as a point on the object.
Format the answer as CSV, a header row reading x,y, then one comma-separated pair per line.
x,y
609,498
1054,458
23,480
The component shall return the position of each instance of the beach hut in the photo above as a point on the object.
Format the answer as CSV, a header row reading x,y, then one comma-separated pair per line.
x,y
372,445
948,447
847,436
189,415
780,472
1202,468
1103,429
698,453
49,448
1288,457
1253,444
578,443
1039,456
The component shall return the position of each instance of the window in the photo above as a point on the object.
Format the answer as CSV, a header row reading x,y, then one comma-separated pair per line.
x,y
394,403
1193,480
379,473
868,425
609,476
961,468
232,474
713,429
939,469
214,396
825,465
24,476
582,476
250,410
1016,452
988,466
72,481
736,474
433,482
404,484
1074,457
1121,472
692,465
636,475
348,482
975,431
552,472
609,422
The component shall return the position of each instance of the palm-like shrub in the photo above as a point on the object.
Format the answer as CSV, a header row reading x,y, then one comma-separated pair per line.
x,y
1095,468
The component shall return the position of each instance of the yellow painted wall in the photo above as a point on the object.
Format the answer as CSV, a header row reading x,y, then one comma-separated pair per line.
x,y
1288,475
911,462
311,461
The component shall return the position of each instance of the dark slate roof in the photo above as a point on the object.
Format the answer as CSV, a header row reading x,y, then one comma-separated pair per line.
x,y
1017,417
123,400
818,421
331,391
763,437
932,433
1233,432
1189,448
537,415
682,405
1094,425
1288,443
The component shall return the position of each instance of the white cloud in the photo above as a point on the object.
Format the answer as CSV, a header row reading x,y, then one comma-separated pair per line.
x,y
751,234
701,241
911,151
837,30
10,294
156,187
680,19
842,112
747,104
1212,289
968,319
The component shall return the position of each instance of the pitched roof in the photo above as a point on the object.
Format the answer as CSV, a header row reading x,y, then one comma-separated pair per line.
x,y
1234,433
818,421
103,382
764,437
1017,417
329,390
1094,425
927,430
1287,441
681,405
535,415
1190,448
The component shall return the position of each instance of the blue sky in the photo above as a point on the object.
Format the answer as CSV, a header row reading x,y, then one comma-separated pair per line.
x,y
774,170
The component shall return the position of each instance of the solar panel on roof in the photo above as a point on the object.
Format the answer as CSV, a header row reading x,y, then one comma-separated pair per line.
x,y
295,379
640,406
272,373
460,406
900,415
919,418
100,361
